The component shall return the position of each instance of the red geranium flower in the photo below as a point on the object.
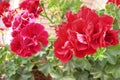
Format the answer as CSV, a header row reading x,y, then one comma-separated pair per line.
x,y
7,19
83,34
30,40
62,49
32,6
35,32
117,2
111,38
21,20
4,6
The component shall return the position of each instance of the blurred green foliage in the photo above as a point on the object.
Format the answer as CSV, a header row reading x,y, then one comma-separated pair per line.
x,y
56,9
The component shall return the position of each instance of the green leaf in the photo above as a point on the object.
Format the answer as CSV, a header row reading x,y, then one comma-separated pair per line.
x,y
81,75
11,68
111,58
97,69
24,60
69,66
45,68
84,64
29,66
113,52
100,54
107,77
22,73
68,78
25,76
114,70
56,75
117,47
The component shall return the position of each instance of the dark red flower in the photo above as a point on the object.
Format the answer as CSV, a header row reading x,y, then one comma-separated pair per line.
x,y
83,34
30,40
110,37
4,6
32,6
6,21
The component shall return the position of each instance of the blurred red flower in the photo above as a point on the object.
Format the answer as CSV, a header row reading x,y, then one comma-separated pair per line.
x,y
4,6
32,6
7,19
117,2
83,34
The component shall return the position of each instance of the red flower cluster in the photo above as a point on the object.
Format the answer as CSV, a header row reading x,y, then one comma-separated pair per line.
x,y
117,2
28,36
83,34
30,40
32,6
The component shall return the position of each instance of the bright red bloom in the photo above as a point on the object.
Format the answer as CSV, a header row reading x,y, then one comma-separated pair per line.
x,y
4,6
117,2
35,32
30,40
32,6
63,50
62,46
83,34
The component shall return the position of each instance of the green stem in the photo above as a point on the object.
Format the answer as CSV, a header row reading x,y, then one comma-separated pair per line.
x,y
46,14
